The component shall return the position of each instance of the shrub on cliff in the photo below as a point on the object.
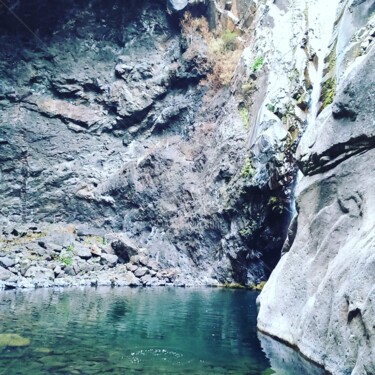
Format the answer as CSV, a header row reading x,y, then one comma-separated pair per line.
x,y
222,51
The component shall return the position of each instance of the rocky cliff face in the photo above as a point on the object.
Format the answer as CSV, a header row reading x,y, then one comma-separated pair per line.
x,y
107,124
320,297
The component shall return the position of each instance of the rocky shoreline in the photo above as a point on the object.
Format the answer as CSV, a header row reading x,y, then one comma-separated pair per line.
x,y
56,255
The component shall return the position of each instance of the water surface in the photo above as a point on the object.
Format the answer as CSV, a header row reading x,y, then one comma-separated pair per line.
x,y
138,331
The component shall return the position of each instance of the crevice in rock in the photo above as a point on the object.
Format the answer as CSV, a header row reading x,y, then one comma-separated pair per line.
x,y
337,154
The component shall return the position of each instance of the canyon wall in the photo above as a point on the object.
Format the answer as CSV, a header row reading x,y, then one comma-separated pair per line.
x,y
139,146
320,297
111,128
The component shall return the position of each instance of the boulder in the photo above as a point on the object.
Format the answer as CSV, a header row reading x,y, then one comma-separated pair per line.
x,y
95,251
38,273
57,270
5,274
70,270
153,264
109,260
124,248
55,248
148,280
131,279
24,266
7,262
134,259
141,271
144,260
79,114
131,267
82,252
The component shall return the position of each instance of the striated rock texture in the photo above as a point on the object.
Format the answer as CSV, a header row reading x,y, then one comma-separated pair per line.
x,y
321,296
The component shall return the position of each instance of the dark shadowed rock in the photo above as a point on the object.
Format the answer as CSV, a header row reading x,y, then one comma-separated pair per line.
x,y
124,248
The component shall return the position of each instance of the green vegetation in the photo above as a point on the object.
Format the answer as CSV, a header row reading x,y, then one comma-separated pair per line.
x,y
233,286
224,50
329,86
271,107
244,114
248,170
328,92
257,64
229,40
247,89
249,229
259,286
293,74
70,248
66,260
66,257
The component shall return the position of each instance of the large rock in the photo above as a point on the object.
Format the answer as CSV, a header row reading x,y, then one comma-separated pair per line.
x,y
40,274
116,134
7,262
124,248
321,296
78,114
109,260
348,127
285,360
83,252
5,274
131,280
179,5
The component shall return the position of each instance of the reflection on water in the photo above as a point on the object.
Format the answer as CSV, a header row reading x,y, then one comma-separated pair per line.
x,y
285,360
133,331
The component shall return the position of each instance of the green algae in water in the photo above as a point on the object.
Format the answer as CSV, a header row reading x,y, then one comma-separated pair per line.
x,y
268,371
133,331
13,340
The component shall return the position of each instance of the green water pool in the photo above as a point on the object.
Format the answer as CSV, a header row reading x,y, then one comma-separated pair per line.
x,y
139,331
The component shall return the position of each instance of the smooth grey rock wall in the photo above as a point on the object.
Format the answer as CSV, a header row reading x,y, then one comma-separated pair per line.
x,y
321,296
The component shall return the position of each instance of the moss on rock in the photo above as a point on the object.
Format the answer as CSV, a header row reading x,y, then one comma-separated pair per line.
x,y
13,340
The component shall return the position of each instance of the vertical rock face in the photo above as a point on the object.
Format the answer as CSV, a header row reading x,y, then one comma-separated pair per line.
x,y
321,296
106,122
